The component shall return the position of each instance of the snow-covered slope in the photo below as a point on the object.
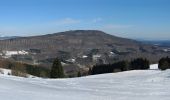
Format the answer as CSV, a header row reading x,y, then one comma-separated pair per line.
x,y
130,85
5,71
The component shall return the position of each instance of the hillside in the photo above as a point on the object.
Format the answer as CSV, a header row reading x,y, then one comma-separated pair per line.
x,y
130,85
77,49
70,44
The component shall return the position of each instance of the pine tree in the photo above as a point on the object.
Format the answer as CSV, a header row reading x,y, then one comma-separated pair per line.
x,y
139,63
164,63
78,74
57,69
90,71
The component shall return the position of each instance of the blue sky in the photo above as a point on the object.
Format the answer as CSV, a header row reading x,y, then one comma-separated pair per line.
x,y
147,19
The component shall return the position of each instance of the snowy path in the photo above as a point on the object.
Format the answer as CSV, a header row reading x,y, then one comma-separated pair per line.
x,y
130,85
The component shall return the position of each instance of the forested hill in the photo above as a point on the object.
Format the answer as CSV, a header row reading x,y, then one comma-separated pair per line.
x,y
80,47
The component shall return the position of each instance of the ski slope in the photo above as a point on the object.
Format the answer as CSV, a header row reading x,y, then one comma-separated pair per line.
x,y
129,85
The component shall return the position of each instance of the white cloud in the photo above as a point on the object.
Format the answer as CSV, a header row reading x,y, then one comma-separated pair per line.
x,y
116,26
97,20
67,21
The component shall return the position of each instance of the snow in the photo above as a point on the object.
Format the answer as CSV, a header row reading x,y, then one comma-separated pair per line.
x,y
112,53
5,71
8,54
154,66
84,56
71,60
129,85
166,50
8,72
95,57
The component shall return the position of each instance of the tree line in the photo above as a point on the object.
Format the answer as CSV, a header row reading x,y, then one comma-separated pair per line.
x,y
136,64
22,69
57,71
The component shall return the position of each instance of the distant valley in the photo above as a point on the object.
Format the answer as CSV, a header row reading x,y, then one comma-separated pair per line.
x,y
162,43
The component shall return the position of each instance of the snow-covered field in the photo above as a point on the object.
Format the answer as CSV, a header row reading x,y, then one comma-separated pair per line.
x,y
130,85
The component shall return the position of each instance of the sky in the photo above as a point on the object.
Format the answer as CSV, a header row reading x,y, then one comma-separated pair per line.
x,y
139,19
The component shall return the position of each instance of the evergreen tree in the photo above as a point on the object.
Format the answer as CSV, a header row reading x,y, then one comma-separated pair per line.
x,y
125,66
78,74
110,68
57,69
90,71
139,63
164,63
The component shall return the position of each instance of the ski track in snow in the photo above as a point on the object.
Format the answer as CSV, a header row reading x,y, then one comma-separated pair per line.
x,y
129,85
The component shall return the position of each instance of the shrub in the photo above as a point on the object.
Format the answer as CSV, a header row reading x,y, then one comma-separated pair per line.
x,y
18,73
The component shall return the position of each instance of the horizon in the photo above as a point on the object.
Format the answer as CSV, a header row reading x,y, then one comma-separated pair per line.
x,y
138,39
142,19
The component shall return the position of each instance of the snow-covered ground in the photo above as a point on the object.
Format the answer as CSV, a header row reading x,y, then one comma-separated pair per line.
x,y
129,85
8,54
5,71
8,72
154,66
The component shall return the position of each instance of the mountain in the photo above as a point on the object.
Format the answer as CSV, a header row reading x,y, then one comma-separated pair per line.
x,y
129,85
7,37
77,49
